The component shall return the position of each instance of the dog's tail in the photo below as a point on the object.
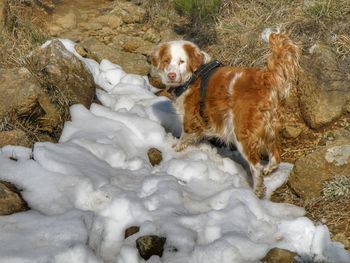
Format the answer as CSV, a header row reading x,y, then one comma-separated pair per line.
x,y
282,62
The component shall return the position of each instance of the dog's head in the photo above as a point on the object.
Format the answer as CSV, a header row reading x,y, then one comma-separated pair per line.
x,y
177,60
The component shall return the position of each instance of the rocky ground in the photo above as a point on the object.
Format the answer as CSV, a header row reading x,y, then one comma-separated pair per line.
x,y
315,134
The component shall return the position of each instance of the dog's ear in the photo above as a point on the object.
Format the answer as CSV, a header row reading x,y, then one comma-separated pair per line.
x,y
206,57
196,57
159,52
153,58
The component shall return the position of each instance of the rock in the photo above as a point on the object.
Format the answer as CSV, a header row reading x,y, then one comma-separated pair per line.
x,y
64,73
81,50
152,36
130,62
124,40
129,12
134,44
19,91
313,170
150,245
67,21
291,131
324,89
168,35
14,137
1,8
279,255
112,21
131,230
10,199
54,30
154,156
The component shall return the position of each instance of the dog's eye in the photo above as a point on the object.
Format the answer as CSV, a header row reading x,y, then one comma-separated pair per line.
x,y
166,61
181,61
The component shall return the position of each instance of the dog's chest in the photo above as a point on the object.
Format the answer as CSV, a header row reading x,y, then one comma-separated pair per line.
x,y
179,105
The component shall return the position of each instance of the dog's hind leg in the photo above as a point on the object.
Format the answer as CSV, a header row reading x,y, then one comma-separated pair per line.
x,y
274,156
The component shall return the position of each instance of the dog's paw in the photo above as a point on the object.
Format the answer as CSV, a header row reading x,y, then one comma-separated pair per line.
x,y
260,191
269,169
178,147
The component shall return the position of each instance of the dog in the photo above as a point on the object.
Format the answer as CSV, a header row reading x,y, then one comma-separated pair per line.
x,y
240,105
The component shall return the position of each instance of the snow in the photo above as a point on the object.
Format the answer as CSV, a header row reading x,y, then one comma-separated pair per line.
x,y
97,181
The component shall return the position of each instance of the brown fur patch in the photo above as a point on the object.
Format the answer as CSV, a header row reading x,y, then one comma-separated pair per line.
x,y
160,57
196,58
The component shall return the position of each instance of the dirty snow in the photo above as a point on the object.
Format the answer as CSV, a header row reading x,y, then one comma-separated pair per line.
x,y
97,181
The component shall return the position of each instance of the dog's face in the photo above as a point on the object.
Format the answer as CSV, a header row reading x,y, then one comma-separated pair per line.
x,y
177,60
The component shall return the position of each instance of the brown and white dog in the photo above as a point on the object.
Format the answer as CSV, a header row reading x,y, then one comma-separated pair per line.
x,y
241,104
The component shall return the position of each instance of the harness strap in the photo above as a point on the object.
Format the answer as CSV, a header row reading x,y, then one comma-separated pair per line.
x,y
203,70
203,92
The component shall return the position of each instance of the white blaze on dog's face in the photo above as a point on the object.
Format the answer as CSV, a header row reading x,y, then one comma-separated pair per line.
x,y
177,60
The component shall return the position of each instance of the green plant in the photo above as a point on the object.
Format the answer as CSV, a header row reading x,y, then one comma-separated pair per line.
x,y
201,16
200,9
337,188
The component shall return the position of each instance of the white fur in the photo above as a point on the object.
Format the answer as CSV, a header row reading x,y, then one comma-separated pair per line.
x,y
178,63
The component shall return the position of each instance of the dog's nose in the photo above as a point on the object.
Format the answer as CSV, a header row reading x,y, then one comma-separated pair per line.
x,y
171,75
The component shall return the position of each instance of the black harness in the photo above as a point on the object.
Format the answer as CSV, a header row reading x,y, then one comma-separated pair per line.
x,y
204,71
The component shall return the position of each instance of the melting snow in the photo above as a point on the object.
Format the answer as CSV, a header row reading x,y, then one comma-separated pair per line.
x,y
87,189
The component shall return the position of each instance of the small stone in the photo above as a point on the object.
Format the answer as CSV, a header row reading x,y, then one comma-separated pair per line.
x,y
10,199
154,156
279,255
81,51
131,230
291,132
150,245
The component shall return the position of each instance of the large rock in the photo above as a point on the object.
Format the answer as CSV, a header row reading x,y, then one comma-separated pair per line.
x,y
10,199
36,98
19,91
313,170
63,73
324,89
130,62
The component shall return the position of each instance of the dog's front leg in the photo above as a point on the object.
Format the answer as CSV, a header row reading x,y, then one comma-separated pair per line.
x,y
258,181
185,140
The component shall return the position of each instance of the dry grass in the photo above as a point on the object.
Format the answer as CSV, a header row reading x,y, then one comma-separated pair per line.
x,y
240,23
23,30
335,214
